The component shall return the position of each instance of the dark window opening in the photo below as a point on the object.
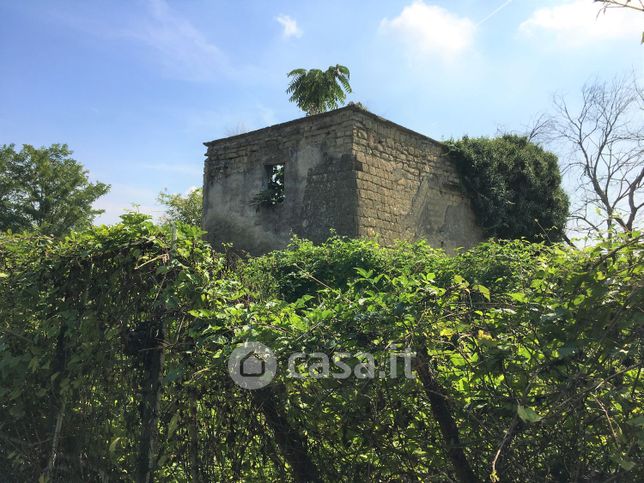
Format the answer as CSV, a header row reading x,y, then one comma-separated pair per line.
x,y
273,193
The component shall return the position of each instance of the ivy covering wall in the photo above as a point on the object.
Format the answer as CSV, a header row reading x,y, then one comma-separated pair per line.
x,y
515,187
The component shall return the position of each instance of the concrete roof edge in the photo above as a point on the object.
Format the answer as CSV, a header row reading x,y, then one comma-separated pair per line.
x,y
301,120
398,126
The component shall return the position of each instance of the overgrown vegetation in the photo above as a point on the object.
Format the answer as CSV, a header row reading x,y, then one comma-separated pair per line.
x,y
274,192
515,187
114,344
186,208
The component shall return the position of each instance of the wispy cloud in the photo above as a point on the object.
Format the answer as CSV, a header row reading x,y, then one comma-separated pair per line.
x,y
171,40
289,26
579,22
182,49
431,30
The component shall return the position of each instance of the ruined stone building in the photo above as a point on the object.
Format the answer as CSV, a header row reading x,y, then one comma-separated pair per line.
x,y
346,171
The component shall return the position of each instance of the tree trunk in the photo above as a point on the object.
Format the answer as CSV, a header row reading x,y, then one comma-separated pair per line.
x,y
193,433
51,463
57,409
292,444
446,423
153,356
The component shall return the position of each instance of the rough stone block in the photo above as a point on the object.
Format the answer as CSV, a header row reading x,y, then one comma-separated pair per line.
x,y
346,170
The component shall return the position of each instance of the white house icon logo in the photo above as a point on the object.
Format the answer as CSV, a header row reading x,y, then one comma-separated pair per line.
x,y
252,365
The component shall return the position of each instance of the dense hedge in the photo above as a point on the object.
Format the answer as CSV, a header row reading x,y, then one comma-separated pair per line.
x,y
515,186
114,345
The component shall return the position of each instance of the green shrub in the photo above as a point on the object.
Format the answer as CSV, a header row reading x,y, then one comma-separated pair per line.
x,y
515,186
114,346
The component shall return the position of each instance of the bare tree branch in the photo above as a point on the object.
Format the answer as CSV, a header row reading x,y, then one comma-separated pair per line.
x,y
604,138
632,4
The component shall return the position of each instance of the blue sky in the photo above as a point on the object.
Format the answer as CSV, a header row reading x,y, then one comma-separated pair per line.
x,y
135,87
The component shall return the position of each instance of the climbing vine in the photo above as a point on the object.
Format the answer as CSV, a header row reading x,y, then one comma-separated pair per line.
x,y
114,345
515,187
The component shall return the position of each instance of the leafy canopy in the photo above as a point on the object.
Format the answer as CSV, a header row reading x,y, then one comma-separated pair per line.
x,y
114,347
184,208
44,189
515,186
315,91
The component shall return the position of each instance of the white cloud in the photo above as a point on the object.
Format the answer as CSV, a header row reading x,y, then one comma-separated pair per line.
x,y
430,29
183,50
172,41
289,26
579,22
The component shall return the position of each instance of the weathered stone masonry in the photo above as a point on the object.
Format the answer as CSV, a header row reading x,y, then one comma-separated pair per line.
x,y
346,170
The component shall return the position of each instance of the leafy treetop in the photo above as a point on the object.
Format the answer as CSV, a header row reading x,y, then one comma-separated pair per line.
x,y
315,91
44,189
186,209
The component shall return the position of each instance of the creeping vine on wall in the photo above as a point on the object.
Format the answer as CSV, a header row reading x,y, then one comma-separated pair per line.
x,y
515,187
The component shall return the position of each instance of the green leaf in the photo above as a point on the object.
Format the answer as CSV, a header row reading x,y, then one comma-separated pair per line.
x,y
173,374
527,414
172,426
483,290
636,421
566,351
626,464
113,444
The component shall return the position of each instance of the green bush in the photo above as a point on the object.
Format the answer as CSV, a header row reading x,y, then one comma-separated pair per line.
x,y
515,186
88,327
304,267
114,345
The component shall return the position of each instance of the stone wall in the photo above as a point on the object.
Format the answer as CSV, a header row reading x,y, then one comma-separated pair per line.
x,y
319,187
347,171
407,188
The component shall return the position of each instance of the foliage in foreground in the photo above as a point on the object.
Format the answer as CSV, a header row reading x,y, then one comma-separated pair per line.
x,y
114,345
44,189
515,187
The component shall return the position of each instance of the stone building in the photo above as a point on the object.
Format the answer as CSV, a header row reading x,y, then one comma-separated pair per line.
x,y
346,171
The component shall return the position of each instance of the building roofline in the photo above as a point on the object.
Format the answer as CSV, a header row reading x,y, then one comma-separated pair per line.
x,y
349,107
